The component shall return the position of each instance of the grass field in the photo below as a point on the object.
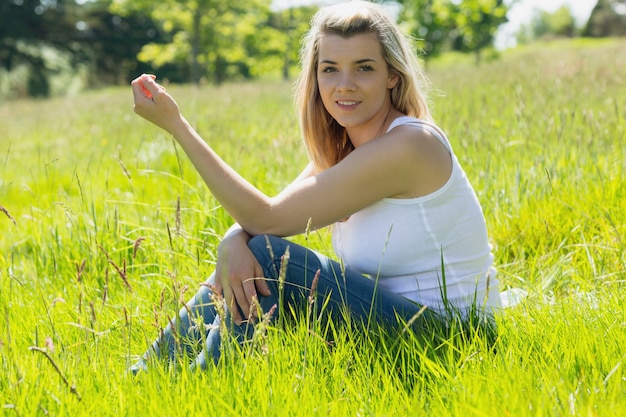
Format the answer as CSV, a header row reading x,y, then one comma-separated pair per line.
x,y
105,227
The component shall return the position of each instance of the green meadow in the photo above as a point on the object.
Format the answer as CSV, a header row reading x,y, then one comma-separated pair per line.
x,y
106,228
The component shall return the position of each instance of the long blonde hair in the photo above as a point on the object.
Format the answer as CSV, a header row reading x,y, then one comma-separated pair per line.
x,y
326,141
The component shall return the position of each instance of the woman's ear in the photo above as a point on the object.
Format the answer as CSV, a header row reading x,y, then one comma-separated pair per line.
x,y
393,80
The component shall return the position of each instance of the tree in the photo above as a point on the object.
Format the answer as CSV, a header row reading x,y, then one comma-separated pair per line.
x,y
213,37
29,29
608,18
463,25
112,42
475,24
560,23
429,21
292,23
44,38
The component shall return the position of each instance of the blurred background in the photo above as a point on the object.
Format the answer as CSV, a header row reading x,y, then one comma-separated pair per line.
x,y
58,47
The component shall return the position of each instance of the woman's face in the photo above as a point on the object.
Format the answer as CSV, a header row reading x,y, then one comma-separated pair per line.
x,y
354,81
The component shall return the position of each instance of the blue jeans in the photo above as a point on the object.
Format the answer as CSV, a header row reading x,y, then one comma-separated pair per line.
x,y
338,292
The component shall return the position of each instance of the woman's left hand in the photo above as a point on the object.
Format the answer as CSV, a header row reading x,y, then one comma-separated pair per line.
x,y
239,277
154,104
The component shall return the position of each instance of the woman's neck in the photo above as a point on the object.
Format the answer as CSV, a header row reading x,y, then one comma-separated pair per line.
x,y
376,127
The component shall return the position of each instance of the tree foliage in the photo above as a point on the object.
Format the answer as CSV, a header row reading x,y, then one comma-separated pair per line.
x,y
47,37
608,18
194,40
112,41
461,25
29,28
217,39
428,21
560,23
476,23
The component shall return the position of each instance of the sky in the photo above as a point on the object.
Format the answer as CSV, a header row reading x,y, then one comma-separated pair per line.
x,y
519,14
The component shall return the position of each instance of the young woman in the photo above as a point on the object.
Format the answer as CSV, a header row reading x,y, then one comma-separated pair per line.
x,y
407,225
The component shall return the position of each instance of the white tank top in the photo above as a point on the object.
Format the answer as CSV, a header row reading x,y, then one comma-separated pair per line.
x,y
413,246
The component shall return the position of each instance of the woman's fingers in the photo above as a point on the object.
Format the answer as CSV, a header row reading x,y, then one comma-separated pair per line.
x,y
231,304
252,287
145,88
262,287
140,92
249,289
150,86
239,272
241,297
154,104
261,283
226,292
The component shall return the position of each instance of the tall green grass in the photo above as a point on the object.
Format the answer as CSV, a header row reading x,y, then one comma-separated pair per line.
x,y
105,227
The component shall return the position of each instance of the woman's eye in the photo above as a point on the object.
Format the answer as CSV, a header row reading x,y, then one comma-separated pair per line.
x,y
365,68
328,69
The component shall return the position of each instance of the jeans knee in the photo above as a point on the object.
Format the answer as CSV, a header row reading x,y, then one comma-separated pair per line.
x,y
264,245
268,251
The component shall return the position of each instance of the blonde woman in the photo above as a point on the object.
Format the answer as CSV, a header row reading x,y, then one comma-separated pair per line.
x,y
408,228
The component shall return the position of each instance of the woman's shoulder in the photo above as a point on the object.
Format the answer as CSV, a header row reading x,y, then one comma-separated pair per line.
x,y
410,126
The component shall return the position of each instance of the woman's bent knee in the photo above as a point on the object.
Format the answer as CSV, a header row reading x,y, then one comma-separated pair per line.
x,y
262,245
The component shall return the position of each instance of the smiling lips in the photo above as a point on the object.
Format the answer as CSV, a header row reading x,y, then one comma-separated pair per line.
x,y
347,104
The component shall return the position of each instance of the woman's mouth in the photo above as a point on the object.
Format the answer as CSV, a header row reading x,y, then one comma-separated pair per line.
x,y
347,104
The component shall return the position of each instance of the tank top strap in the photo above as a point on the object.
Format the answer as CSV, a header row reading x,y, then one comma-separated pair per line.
x,y
426,125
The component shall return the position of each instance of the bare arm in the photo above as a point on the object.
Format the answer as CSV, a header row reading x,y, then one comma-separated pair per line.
x,y
239,277
371,172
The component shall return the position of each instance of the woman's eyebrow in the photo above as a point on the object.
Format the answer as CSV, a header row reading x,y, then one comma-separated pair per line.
x,y
359,61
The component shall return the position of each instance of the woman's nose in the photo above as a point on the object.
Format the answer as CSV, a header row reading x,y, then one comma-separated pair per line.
x,y
346,82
